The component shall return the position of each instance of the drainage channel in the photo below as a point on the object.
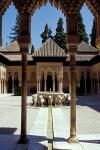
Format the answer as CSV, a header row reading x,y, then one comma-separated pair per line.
x,y
50,130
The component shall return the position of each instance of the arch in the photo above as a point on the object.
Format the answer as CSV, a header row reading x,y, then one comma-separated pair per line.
x,y
49,71
93,6
64,6
4,5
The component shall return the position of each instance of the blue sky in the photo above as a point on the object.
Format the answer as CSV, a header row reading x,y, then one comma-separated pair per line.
x,y
46,14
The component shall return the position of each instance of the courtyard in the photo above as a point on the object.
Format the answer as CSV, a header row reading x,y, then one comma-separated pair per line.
x,y
88,124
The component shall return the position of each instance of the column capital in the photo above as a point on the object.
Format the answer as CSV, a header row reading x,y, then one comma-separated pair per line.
x,y
24,38
72,29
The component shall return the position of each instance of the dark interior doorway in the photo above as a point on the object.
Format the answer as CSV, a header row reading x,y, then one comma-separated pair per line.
x,y
10,84
49,83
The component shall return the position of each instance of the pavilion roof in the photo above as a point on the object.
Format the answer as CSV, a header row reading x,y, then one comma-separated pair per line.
x,y
49,49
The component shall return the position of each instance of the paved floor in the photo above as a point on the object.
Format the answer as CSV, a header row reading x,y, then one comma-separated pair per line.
x,y
88,125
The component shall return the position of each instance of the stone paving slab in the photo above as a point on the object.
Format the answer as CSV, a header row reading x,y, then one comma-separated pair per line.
x,y
88,132
61,133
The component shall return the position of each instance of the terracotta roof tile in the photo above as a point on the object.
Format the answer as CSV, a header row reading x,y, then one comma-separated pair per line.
x,y
84,47
49,49
11,47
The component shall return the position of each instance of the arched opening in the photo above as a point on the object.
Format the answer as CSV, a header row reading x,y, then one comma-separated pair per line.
x,y
8,22
87,19
10,82
37,26
49,83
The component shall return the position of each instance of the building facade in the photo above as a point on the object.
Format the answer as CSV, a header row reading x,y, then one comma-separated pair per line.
x,y
49,69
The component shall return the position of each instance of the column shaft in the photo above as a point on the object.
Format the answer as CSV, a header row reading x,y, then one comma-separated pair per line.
x,y
54,85
24,96
73,137
24,42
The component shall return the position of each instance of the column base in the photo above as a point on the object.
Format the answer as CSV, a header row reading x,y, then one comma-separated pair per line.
x,y
23,140
73,139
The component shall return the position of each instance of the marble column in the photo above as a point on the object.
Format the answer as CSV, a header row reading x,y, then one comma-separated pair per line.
x,y
54,84
73,39
1,86
24,42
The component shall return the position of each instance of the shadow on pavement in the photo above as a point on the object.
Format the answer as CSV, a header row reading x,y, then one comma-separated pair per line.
x,y
8,142
90,101
90,141
4,130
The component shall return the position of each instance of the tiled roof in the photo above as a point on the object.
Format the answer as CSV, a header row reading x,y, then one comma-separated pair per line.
x,y
17,57
11,47
86,48
80,57
49,49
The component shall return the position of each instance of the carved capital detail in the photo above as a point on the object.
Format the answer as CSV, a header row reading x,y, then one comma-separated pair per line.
x,y
24,30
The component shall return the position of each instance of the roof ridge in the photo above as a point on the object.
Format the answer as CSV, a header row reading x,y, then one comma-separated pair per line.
x,y
49,48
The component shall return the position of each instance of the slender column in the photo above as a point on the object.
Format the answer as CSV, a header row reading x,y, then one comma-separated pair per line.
x,y
0,30
54,84
24,41
72,43
59,85
1,86
73,137
24,96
